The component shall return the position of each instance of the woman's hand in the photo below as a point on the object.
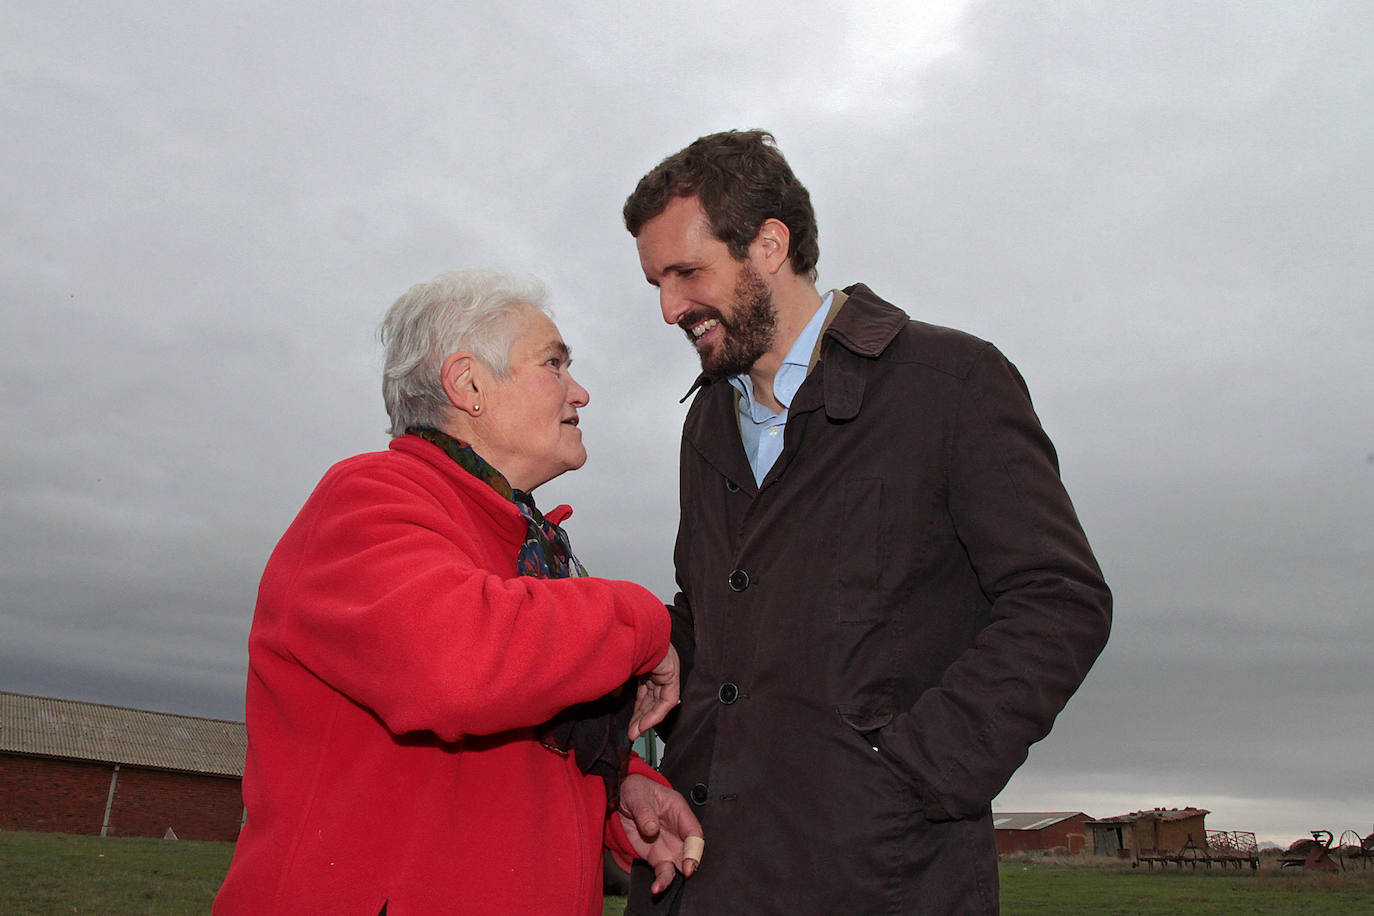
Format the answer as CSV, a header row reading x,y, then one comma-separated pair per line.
x,y
661,828
658,693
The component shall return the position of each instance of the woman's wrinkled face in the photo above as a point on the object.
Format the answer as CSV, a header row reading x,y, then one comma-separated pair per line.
x,y
528,420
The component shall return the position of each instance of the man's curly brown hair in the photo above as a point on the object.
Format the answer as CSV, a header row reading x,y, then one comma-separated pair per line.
x,y
740,179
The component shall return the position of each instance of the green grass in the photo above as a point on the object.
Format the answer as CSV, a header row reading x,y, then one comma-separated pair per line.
x,y
1041,887
1033,887
43,873
59,873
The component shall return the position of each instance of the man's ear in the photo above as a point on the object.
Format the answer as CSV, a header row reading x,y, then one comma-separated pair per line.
x,y
458,373
770,245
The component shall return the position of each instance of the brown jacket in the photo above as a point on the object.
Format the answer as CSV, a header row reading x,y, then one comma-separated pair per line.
x,y
875,636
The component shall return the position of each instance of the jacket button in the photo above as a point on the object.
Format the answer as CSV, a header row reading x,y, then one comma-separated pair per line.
x,y
739,580
729,693
699,794
731,486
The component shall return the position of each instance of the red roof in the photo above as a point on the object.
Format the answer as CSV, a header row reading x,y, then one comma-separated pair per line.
x,y
1155,814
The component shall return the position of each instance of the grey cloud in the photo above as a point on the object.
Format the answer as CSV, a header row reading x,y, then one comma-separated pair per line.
x,y
1159,212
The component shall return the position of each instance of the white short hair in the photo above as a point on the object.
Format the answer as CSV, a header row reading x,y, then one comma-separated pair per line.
x,y
463,310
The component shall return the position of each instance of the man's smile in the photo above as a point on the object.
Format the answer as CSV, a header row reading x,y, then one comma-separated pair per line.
x,y
698,326
704,326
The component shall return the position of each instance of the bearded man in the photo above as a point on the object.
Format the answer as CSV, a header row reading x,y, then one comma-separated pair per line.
x,y
886,595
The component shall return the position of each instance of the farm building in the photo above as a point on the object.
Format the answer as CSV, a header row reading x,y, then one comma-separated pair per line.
x,y
1147,832
87,768
1040,831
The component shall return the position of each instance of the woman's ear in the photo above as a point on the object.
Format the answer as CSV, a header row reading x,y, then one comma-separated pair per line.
x,y
459,377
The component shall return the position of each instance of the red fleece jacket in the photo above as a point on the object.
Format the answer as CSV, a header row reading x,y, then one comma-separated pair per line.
x,y
397,669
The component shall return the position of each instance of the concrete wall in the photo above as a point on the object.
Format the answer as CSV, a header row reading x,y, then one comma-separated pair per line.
x,y
67,796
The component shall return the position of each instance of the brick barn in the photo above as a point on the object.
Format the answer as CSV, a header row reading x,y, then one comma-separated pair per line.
x,y
1039,831
87,768
1148,832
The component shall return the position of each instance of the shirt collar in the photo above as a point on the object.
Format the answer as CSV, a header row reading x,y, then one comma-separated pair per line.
x,y
795,365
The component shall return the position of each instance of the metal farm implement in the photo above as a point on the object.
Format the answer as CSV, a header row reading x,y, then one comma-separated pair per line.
x,y
1318,853
1223,848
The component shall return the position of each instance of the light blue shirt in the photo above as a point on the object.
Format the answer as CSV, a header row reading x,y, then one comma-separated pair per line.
x,y
759,427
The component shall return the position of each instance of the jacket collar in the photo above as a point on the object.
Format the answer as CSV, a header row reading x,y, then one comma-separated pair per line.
x,y
503,512
861,330
864,328
864,325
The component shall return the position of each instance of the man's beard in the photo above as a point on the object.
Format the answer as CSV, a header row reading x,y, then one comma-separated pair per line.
x,y
748,332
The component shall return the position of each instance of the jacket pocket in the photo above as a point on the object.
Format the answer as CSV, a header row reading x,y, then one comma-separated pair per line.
x,y
886,777
866,722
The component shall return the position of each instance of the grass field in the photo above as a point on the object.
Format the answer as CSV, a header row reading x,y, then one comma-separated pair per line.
x,y
1041,887
58,873
48,873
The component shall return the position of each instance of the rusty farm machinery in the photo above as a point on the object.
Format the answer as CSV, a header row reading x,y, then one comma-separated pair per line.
x,y
1322,853
1233,848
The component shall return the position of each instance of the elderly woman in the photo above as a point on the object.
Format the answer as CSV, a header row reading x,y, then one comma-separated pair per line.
x,y
440,700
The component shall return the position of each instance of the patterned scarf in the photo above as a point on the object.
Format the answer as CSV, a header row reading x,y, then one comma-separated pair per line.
x,y
596,733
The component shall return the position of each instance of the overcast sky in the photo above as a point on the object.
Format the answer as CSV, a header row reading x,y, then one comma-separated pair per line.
x,y
1162,212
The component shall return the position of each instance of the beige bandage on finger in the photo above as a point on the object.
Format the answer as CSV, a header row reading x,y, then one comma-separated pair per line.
x,y
693,847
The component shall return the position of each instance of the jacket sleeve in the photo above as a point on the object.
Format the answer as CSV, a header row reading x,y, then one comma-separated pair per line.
x,y
1050,607
684,640
614,837
376,591
680,611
